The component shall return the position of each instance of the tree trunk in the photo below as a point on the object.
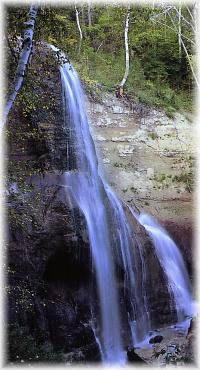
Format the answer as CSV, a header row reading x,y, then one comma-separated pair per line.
x,y
179,32
23,59
79,28
121,86
82,15
89,14
187,54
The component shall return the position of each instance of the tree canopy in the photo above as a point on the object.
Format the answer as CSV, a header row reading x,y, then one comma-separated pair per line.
x,y
161,46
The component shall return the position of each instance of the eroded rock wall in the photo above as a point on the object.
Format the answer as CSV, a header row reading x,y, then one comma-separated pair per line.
x,y
149,159
51,286
50,278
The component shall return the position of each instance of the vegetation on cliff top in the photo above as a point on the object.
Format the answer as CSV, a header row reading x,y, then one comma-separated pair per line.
x,y
161,66
159,76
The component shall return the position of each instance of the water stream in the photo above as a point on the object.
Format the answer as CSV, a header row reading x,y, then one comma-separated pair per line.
x,y
88,191
105,217
130,250
173,265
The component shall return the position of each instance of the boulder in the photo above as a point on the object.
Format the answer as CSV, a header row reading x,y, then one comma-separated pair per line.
x,y
132,356
156,339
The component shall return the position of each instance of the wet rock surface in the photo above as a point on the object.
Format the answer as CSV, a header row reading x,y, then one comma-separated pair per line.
x,y
183,234
50,280
133,357
176,348
156,339
51,285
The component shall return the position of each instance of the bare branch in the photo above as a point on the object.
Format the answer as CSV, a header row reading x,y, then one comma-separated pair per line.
x,y
168,9
99,46
175,31
190,13
187,54
185,20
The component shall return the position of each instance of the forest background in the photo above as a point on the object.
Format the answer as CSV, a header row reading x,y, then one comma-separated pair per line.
x,y
162,53
161,41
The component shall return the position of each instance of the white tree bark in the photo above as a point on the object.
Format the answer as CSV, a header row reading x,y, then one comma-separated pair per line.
x,y
89,14
79,28
126,50
82,15
190,13
189,23
23,59
179,32
192,25
187,55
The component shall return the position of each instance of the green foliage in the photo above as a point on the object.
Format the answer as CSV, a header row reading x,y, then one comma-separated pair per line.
x,y
157,77
24,295
107,69
153,135
23,347
187,178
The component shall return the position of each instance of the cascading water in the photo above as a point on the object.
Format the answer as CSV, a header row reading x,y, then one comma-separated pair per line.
x,y
173,266
88,191
103,212
128,245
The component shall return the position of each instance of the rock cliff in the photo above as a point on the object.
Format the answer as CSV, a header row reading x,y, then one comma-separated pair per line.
x,y
51,288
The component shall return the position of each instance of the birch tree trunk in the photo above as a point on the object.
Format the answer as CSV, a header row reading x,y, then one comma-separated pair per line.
x,y
89,14
195,76
23,59
179,32
121,86
82,15
182,21
79,28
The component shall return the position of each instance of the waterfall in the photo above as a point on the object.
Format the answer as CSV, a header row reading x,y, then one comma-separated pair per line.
x,y
131,256
88,192
173,266
112,239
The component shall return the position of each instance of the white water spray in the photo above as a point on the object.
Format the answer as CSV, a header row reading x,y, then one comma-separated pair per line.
x,y
173,266
94,197
88,192
128,245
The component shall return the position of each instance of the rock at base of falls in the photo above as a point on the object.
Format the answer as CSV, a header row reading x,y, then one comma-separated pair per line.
x,y
156,339
132,356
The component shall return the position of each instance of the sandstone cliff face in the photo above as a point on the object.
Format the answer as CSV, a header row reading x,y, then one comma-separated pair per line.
x,y
148,158
51,287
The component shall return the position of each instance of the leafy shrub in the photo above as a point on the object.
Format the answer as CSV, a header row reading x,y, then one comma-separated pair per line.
x,y
22,347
